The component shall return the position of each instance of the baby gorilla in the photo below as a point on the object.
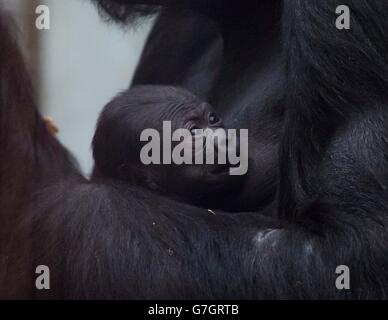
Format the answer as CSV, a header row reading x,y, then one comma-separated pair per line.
x,y
117,146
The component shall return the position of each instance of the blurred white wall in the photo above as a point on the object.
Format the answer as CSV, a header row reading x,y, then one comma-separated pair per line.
x,y
83,63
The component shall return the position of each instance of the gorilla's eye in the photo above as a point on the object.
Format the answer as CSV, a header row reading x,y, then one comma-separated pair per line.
x,y
213,119
194,131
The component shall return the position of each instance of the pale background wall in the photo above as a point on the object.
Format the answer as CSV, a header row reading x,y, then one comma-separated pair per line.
x,y
83,62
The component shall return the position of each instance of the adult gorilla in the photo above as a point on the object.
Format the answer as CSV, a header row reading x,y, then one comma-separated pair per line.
x,y
113,240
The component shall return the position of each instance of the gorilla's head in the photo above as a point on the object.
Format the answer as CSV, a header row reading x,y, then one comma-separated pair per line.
x,y
146,116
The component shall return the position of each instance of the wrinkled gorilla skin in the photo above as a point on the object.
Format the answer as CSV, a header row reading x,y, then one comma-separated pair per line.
x,y
314,100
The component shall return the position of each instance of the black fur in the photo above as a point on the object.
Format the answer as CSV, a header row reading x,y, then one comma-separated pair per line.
x,y
317,110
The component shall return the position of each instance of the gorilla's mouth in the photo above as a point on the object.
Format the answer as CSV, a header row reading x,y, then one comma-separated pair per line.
x,y
222,169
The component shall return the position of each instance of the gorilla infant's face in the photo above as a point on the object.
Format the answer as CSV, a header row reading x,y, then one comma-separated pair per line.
x,y
117,144
197,181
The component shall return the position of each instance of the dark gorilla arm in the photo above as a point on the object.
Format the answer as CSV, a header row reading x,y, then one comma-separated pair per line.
x,y
114,241
191,55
